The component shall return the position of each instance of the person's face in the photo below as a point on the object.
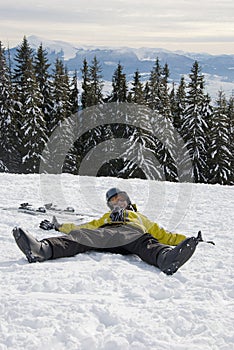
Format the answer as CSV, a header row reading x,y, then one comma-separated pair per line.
x,y
119,200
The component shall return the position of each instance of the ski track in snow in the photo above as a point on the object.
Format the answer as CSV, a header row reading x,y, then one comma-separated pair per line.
x,y
113,302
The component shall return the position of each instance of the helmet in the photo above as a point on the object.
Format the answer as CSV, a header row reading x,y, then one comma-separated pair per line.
x,y
113,192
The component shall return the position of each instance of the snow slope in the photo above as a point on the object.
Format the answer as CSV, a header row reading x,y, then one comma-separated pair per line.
x,y
113,302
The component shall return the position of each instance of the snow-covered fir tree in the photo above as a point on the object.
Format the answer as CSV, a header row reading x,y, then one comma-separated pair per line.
x,y
85,85
140,158
61,96
74,100
43,78
230,113
155,87
30,116
34,129
159,102
9,156
194,129
136,94
92,84
179,105
166,147
96,83
71,162
61,121
91,99
119,86
220,150
147,94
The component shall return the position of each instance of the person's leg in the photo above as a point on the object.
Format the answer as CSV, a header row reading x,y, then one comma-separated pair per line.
x,y
146,247
166,258
33,249
49,248
65,246
109,236
169,261
78,241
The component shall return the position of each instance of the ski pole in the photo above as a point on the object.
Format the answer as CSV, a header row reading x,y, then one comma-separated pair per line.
x,y
200,239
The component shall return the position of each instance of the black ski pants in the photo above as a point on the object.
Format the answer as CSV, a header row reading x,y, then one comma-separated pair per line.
x,y
118,239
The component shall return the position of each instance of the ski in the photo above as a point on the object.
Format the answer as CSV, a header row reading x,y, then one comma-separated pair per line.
x,y
68,210
48,208
31,211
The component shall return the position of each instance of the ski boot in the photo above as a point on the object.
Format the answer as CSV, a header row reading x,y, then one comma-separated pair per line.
x,y
171,259
35,251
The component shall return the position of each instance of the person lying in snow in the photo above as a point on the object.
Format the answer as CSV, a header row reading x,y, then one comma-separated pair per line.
x,y
123,230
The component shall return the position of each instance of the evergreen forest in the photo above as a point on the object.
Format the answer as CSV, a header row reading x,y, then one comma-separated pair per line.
x,y
37,97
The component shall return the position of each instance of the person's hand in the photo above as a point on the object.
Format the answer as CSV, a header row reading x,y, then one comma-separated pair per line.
x,y
46,225
117,215
50,225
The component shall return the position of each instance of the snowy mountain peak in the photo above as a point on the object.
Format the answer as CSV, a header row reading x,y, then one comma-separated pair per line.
x,y
218,69
69,51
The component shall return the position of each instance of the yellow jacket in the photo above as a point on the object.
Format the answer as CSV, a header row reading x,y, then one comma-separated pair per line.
x,y
131,218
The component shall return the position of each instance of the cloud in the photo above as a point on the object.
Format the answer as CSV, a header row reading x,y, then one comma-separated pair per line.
x,y
133,21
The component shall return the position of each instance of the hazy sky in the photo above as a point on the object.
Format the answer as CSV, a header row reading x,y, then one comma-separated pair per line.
x,y
191,25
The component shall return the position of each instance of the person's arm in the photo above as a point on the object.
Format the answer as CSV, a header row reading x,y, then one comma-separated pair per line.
x,y
91,225
163,236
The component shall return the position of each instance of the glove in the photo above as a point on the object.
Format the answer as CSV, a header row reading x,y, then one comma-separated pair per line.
x,y
117,215
47,225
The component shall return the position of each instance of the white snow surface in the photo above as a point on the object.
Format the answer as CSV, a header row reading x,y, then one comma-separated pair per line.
x,y
107,301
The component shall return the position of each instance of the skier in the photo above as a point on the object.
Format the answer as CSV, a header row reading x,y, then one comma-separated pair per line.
x,y
122,230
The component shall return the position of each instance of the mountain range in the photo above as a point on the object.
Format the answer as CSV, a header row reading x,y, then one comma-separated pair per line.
x,y
218,69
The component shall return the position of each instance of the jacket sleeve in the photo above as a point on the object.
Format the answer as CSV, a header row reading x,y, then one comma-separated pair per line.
x,y
91,225
163,236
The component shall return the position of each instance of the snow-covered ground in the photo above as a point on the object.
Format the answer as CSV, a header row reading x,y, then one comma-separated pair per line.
x,y
113,302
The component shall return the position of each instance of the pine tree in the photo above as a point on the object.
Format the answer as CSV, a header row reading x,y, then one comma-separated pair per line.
x,y
166,149
119,86
92,96
9,156
24,59
21,73
43,78
85,96
71,162
136,94
139,159
160,102
194,129
165,102
220,153
74,94
230,113
155,87
146,94
34,129
172,99
30,116
62,125
92,84
179,105
61,96
96,83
